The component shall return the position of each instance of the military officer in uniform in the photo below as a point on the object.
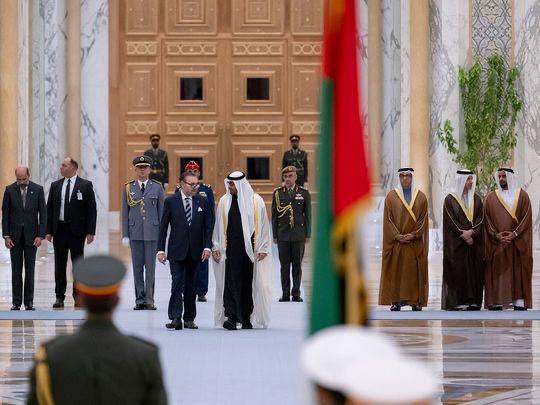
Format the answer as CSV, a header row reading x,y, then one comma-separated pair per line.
x,y
142,207
298,158
97,364
291,227
203,190
160,161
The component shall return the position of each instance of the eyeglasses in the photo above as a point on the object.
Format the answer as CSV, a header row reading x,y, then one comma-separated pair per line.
x,y
192,185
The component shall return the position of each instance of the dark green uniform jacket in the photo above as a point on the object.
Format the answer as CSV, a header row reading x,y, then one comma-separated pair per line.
x,y
160,166
298,160
291,214
99,365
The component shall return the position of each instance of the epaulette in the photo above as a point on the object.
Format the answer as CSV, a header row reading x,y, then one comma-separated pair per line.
x,y
155,181
129,182
276,189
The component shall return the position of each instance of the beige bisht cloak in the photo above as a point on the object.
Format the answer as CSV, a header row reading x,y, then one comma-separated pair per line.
x,y
404,275
508,267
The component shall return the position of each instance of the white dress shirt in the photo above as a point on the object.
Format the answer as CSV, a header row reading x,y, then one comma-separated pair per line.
x,y
63,193
141,183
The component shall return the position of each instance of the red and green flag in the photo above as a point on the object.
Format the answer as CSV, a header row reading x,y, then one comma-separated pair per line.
x,y
344,183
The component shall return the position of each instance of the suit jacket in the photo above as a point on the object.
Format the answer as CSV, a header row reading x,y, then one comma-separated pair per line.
x,y
32,218
292,210
141,222
82,208
98,364
183,238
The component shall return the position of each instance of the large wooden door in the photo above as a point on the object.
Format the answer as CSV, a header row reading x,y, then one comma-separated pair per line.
x,y
225,83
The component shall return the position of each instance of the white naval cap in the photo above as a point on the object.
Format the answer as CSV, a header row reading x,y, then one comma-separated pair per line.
x,y
366,366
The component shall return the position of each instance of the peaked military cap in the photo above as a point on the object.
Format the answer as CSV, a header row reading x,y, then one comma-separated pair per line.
x,y
192,165
155,136
294,138
98,275
142,160
288,169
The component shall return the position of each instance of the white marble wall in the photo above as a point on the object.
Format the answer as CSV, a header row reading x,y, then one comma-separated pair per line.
x,y
95,96
449,35
527,57
48,88
23,59
405,86
392,74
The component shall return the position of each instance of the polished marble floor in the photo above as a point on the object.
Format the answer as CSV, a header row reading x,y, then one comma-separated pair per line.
x,y
478,361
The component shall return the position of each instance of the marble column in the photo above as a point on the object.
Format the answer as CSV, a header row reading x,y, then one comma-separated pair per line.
x,y
95,97
374,86
73,80
391,130
420,91
23,58
527,58
48,88
8,90
449,37
405,86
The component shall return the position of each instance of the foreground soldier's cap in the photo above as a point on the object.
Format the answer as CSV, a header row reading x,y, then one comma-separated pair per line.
x,y
142,160
361,363
98,275
294,138
192,165
288,169
155,136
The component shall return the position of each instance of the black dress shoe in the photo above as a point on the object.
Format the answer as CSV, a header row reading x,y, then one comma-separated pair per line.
x,y
139,307
284,299
518,308
58,303
395,307
495,308
150,307
297,299
247,325
473,308
174,324
16,308
201,298
229,325
190,325
416,307
29,308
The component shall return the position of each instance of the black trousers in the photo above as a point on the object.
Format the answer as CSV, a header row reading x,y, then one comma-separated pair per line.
x,y
22,253
184,276
291,253
64,242
238,289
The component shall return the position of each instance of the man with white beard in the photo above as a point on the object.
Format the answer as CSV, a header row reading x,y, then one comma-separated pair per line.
x,y
242,257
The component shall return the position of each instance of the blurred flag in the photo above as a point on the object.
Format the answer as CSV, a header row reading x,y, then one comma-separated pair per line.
x,y
339,294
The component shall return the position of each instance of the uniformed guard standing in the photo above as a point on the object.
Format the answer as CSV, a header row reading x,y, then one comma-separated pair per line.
x,y
291,227
97,364
204,190
297,158
142,207
160,161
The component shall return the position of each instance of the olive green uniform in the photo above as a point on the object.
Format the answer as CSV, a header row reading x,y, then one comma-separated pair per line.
x,y
160,165
98,365
291,225
298,159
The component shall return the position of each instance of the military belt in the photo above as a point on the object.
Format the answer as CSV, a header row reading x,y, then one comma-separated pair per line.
x,y
157,171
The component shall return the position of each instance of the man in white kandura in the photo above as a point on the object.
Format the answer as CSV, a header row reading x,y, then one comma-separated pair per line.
x,y
242,257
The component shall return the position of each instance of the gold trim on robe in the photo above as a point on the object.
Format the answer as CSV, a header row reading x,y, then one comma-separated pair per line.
x,y
511,211
468,214
409,207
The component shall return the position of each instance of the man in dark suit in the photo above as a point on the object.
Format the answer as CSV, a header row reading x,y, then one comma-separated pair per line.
x,y
97,364
24,218
71,218
188,214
